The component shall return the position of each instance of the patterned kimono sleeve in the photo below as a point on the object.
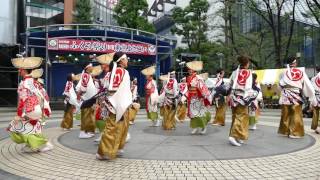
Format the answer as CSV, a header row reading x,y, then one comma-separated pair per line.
x,y
67,88
84,82
203,89
22,96
308,89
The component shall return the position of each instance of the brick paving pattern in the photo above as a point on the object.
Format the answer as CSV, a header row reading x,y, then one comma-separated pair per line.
x,y
66,163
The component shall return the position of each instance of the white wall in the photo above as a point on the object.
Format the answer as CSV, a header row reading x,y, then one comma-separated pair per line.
x,y
8,21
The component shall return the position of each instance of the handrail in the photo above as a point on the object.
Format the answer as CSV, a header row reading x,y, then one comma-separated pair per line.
x,y
137,31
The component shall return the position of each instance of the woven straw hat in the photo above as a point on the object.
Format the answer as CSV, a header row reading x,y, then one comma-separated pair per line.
x,y
96,71
26,62
36,73
40,80
149,71
163,77
76,77
195,65
204,76
105,58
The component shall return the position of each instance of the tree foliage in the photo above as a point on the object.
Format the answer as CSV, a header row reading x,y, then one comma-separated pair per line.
x,y
129,14
191,23
314,7
263,29
83,12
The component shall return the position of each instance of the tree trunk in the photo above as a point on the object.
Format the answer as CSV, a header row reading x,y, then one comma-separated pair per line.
x,y
291,30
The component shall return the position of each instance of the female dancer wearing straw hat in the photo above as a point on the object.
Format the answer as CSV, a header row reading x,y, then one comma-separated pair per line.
x,y
26,127
171,93
70,102
118,101
102,110
151,95
85,91
199,99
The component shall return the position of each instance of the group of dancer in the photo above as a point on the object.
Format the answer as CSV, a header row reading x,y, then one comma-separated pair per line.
x,y
111,103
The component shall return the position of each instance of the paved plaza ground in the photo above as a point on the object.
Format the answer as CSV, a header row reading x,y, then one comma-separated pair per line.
x,y
156,154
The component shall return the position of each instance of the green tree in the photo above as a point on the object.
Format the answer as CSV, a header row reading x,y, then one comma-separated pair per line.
x,y
129,13
83,13
191,23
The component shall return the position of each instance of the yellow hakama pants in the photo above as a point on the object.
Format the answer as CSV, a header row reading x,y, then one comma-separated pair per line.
x,y
88,123
291,122
67,121
169,121
315,118
240,122
114,135
132,113
220,116
182,112
162,111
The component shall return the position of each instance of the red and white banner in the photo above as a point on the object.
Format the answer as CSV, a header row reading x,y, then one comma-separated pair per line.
x,y
100,47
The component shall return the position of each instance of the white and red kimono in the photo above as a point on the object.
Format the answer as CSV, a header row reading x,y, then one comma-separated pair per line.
x,y
183,89
294,83
45,101
171,91
316,103
198,98
241,84
86,86
120,97
29,108
151,96
316,84
71,96
134,90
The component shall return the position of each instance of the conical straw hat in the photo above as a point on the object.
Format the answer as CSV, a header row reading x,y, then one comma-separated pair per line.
x,y
27,62
105,58
76,77
40,80
36,73
96,71
195,65
204,76
149,71
163,77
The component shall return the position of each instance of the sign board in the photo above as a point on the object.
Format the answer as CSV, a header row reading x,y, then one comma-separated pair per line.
x,y
100,46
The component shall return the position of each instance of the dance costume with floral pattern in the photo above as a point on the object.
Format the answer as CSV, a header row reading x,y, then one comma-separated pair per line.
x,y
198,98
28,129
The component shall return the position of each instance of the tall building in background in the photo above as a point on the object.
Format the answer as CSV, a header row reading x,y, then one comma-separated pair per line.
x,y
306,30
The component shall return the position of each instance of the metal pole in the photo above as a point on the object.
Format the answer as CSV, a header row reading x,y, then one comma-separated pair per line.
x,y
220,61
46,61
27,43
157,63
